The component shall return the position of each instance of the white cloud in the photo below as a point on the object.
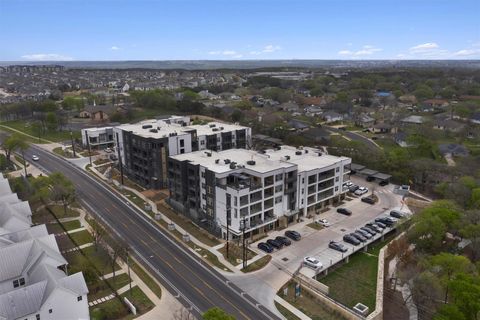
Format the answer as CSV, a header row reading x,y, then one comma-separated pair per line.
x,y
267,49
466,53
224,53
46,57
365,51
114,48
424,47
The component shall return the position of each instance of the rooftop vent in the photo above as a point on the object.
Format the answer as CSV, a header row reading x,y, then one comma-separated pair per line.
x,y
227,161
154,130
298,153
217,160
233,165
306,150
221,128
147,126
319,154
251,162
211,125
209,154
215,129
287,157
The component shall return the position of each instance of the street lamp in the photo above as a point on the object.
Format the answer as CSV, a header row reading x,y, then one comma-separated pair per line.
x,y
73,144
244,249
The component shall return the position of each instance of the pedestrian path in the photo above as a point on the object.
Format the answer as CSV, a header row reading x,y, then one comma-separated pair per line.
x,y
83,246
111,296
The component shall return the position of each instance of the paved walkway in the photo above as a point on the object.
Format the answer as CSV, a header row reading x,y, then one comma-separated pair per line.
x,y
291,308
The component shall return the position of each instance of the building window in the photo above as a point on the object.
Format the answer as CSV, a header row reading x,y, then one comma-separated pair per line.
x,y
203,174
22,281
303,191
50,310
182,151
15,284
279,177
79,298
336,179
336,188
235,213
19,282
202,142
278,199
303,180
37,316
337,169
278,188
182,144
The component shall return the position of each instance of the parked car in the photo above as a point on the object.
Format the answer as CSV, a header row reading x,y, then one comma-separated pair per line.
x,y
285,241
397,214
265,247
312,263
353,188
348,184
274,243
108,150
323,223
380,224
337,246
383,183
374,227
364,233
35,157
351,239
344,211
385,221
361,190
359,236
368,200
369,230
294,235
370,178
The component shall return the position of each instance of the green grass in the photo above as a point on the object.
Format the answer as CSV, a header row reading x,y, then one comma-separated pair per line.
x,y
139,300
110,310
356,281
285,312
258,264
235,252
82,237
100,259
152,284
307,304
188,226
103,290
44,216
63,153
70,225
55,136
315,226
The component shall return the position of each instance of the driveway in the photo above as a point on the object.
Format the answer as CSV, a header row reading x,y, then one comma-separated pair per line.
x,y
356,137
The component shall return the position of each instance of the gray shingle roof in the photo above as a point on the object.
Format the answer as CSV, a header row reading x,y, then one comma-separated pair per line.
x,y
23,301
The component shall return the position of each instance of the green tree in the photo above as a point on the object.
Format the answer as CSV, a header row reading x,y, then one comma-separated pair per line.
x,y
10,144
216,314
237,116
61,190
449,312
465,290
427,233
51,121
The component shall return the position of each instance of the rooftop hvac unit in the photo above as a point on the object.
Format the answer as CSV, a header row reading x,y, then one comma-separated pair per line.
x,y
227,161
211,125
233,165
154,130
147,126
298,153
287,157
251,162
319,154
217,160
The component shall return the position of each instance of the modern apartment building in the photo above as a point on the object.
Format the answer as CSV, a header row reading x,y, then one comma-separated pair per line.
x,y
260,191
33,280
144,148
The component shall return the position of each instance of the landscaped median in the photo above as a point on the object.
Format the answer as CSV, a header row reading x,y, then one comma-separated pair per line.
x,y
257,264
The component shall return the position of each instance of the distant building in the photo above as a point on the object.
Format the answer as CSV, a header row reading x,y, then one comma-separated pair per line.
x,y
416,120
456,150
331,116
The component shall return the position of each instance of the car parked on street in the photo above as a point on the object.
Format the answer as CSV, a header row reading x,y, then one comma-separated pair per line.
x,y
337,246
351,239
323,223
274,243
368,200
312,263
265,247
344,211
294,235
283,240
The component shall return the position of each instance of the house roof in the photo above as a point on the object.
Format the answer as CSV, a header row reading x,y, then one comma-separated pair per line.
x,y
413,119
298,124
331,114
356,167
453,148
23,301
315,133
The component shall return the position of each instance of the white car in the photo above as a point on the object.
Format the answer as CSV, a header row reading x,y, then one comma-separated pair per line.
x,y
323,223
361,190
35,158
312,263
348,184
108,150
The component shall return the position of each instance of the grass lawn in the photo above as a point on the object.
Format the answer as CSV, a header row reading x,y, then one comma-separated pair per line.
x,y
308,305
235,252
188,226
102,289
139,300
55,136
147,279
44,216
56,228
257,265
110,310
356,281
82,237
100,259
315,226
285,312
63,153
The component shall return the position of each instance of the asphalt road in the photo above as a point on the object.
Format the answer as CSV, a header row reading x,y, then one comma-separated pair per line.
x,y
355,136
196,285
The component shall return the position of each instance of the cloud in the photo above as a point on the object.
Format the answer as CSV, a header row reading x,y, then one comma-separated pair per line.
x,y
267,49
114,48
466,53
424,47
224,53
365,51
46,57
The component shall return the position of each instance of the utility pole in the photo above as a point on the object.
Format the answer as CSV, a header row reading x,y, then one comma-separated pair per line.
x,y
243,240
73,144
24,163
89,150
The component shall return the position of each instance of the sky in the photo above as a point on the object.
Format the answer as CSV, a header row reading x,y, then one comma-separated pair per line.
x,y
56,30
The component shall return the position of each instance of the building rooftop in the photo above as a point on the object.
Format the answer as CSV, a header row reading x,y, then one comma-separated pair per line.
x,y
214,127
221,162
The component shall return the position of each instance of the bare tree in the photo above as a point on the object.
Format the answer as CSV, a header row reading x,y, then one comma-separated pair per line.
x,y
98,232
118,250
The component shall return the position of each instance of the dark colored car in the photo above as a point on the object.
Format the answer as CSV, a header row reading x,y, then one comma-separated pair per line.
x,y
344,211
374,227
274,243
364,233
351,239
353,188
381,225
359,236
385,221
369,230
285,241
383,183
368,200
265,247
337,246
294,235
397,214
370,178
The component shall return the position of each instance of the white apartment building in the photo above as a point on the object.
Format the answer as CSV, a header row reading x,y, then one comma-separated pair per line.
x,y
261,190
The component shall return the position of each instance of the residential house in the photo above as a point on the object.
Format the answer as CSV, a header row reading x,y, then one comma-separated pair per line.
x,y
383,127
436,103
298,125
415,120
364,121
475,118
400,138
100,113
332,116
289,106
456,150
449,125
318,135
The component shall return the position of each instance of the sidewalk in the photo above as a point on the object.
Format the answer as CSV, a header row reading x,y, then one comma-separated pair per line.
x,y
291,308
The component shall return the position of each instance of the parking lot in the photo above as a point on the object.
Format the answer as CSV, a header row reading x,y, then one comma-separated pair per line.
x,y
314,243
